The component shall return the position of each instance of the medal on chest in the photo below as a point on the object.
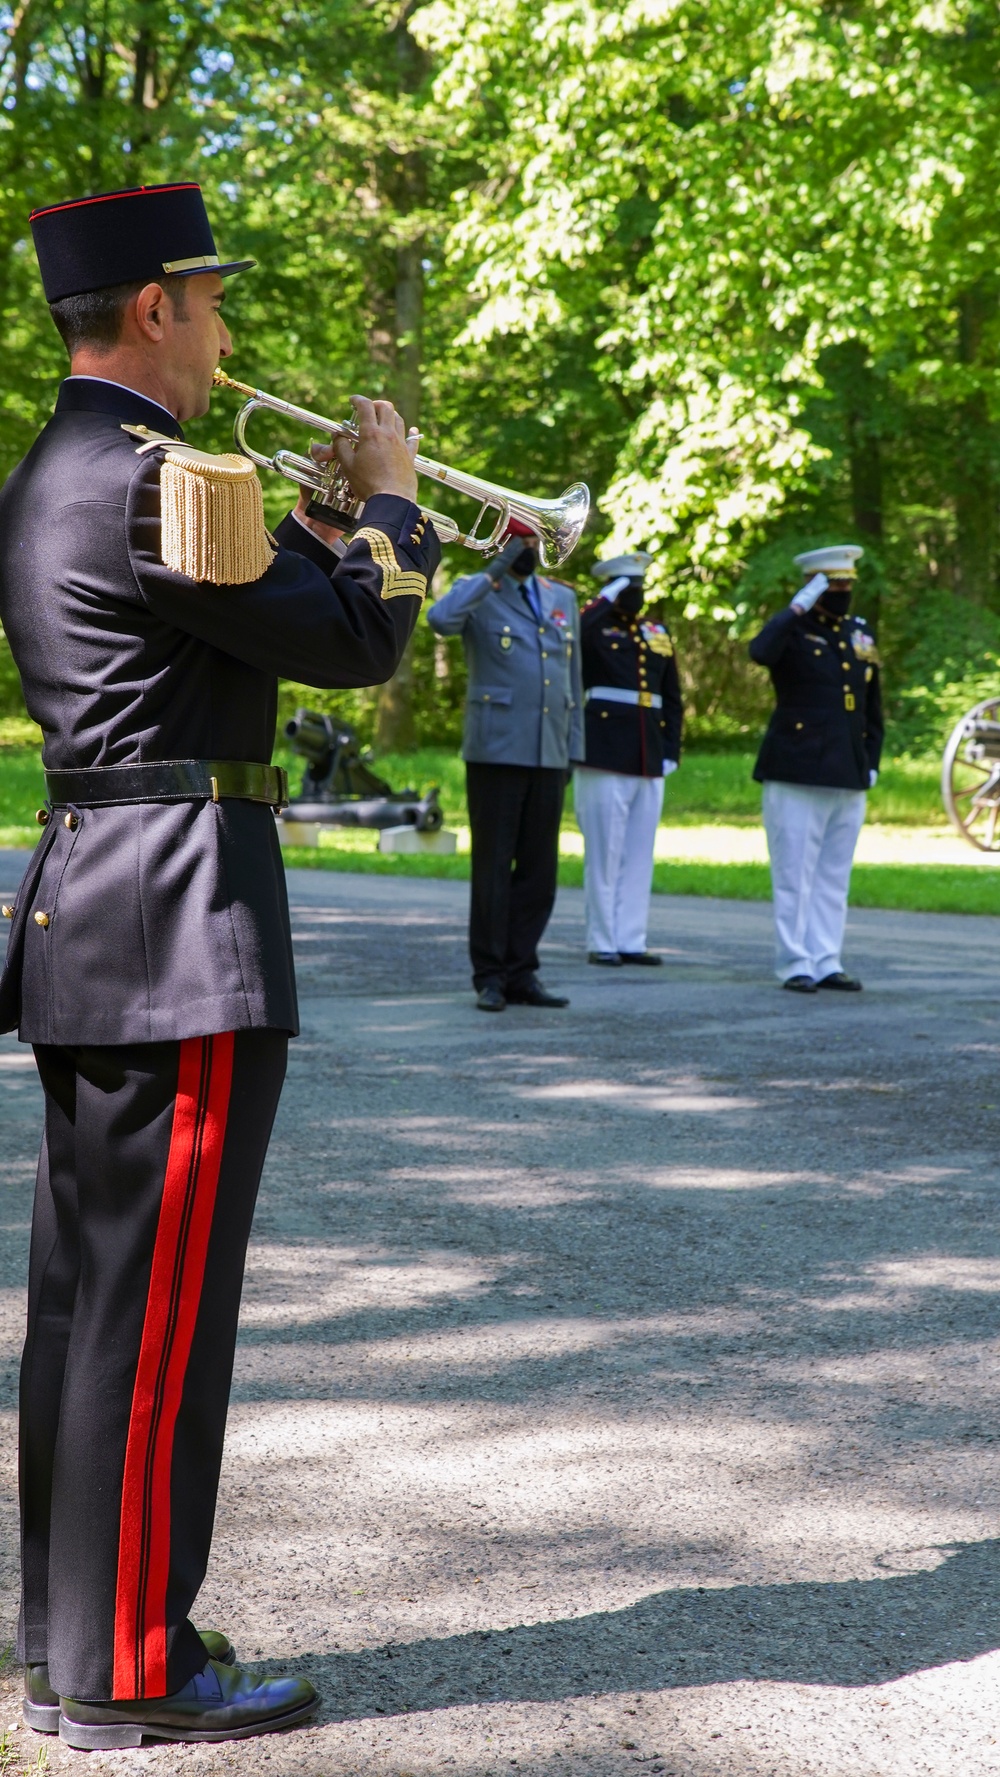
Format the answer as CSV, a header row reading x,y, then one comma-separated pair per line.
x,y
656,639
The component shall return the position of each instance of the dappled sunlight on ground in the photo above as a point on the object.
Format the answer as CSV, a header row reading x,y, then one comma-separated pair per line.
x,y
617,1388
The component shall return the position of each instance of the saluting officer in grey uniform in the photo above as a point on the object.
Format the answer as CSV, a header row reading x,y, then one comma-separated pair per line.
x,y
819,758
523,729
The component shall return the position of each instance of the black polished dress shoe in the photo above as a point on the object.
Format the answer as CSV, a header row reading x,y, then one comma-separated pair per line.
x,y
648,958
840,982
490,998
40,1709
221,1703
606,959
532,993
800,984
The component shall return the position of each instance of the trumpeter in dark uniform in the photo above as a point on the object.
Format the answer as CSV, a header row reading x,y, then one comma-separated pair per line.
x,y
149,955
632,717
819,758
523,728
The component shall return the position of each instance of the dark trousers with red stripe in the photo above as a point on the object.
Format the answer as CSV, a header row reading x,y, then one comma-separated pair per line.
x,y
147,1180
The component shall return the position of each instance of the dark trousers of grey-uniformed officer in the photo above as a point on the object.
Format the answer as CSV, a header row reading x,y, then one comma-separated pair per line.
x,y
149,954
523,728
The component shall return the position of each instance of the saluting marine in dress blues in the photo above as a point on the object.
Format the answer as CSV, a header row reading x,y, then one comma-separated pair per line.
x,y
819,758
633,715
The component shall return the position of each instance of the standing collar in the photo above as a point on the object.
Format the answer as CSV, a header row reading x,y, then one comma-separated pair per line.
x,y
92,394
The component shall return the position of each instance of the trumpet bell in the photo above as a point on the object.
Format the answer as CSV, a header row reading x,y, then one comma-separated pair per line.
x,y
558,524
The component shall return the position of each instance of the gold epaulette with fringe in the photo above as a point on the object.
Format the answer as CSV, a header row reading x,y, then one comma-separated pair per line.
x,y
212,513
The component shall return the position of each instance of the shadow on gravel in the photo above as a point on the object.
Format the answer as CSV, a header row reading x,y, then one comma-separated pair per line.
x,y
856,1633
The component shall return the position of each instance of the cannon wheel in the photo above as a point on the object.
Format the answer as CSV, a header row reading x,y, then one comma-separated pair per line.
x,y
971,787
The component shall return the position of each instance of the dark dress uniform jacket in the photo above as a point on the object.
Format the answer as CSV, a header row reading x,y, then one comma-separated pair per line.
x,y
827,727
635,655
524,702
168,920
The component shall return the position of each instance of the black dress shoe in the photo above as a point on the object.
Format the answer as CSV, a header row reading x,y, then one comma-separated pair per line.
x,y
800,984
648,958
40,1709
607,959
840,982
490,998
221,1703
532,993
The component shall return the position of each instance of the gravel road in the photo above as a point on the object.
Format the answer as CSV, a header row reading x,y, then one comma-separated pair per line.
x,y
616,1387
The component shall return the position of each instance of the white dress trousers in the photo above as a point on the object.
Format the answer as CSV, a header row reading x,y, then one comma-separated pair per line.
x,y
618,817
811,836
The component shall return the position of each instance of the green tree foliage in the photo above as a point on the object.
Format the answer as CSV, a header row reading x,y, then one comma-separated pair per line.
x,y
780,222
735,262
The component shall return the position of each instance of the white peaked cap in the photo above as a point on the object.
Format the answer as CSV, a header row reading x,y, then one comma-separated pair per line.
x,y
840,561
632,566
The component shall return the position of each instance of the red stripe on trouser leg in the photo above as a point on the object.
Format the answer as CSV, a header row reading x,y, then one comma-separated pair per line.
x,y
204,1080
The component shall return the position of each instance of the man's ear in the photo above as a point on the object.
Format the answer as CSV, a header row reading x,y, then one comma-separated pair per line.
x,y
149,311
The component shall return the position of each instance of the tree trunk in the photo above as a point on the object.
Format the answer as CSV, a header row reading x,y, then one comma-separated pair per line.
x,y
395,726
975,486
848,374
865,455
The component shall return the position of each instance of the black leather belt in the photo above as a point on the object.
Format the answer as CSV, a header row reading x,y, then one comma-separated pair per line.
x,y
173,780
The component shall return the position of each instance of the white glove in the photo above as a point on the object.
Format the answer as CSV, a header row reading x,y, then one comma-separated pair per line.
x,y
811,591
872,778
612,588
669,765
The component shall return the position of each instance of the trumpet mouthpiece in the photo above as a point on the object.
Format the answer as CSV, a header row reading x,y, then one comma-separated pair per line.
x,y
222,381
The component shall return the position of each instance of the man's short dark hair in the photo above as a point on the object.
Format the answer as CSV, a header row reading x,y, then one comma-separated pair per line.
x,y
96,317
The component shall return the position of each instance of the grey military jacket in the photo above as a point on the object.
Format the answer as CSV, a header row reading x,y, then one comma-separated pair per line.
x,y
525,696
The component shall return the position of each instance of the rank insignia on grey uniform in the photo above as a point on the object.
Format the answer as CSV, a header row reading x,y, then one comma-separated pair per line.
x,y
506,642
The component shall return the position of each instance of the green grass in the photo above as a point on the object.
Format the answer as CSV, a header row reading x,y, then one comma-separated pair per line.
x,y
710,788
914,888
717,788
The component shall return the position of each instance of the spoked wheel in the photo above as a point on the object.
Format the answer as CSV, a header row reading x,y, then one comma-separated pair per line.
x,y
970,775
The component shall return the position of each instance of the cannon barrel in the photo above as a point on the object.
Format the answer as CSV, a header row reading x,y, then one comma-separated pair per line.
x,y
311,735
339,789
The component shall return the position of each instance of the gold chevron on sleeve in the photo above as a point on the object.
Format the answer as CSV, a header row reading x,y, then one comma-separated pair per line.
x,y
397,582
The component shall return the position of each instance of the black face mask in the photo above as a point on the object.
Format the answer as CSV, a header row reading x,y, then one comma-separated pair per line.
x,y
836,604
524,566
630,599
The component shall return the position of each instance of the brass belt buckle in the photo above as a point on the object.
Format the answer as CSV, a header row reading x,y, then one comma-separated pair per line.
x,y
645,700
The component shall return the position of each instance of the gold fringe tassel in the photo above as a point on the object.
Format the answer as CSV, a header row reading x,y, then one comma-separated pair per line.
x,y
213,518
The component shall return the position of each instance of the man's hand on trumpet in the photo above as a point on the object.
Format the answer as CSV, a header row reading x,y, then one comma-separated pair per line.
x,y
380,461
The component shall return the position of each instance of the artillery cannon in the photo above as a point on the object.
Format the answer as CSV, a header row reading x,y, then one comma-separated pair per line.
x,y
970,775
339,789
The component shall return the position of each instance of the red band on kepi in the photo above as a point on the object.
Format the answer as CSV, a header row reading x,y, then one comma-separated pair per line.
x,y
139,235
517,529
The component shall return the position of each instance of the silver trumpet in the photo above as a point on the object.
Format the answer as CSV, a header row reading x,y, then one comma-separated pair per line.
x,y
556,524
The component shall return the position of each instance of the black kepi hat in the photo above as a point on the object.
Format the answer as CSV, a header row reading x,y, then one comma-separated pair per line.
x,y
124,237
